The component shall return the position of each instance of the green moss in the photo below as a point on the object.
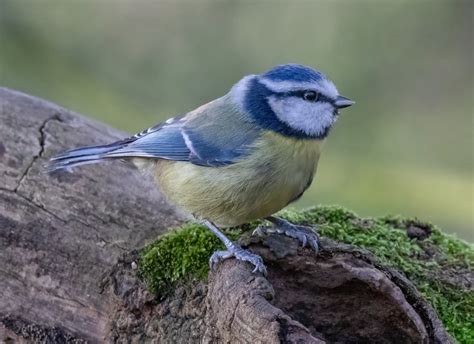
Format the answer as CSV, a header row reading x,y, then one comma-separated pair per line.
x,y
180,254
184,254
423,262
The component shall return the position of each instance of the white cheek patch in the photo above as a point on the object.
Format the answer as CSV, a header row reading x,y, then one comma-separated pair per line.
x,y
239,91
313,119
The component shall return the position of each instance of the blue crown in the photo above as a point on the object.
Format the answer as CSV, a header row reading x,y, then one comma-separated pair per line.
x,y
293,72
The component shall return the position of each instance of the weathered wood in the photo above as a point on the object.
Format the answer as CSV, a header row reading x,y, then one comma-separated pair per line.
x,y
341,295
59,234
68,243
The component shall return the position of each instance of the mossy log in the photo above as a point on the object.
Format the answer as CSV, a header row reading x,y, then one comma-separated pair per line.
x,y
79,264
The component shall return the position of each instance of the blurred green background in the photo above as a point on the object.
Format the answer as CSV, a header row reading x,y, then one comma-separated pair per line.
x,y
406,147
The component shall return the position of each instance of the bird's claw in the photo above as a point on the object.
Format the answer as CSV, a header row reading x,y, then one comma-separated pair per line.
x,y
303,234
240,254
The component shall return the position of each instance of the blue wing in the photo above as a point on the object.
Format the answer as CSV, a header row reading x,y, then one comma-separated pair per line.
x,y
165,141
215,134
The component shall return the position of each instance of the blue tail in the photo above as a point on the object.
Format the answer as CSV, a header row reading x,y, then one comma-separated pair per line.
x,y
81,156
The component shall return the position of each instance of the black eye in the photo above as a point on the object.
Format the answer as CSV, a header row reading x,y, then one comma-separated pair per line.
x,y
310,96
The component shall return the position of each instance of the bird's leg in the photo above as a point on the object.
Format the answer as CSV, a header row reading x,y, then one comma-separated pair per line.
x,y
233,250
304,234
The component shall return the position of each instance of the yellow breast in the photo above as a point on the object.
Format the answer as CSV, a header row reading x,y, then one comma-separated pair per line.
x,y
277,172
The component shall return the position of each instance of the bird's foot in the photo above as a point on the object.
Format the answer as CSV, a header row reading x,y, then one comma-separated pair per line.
x,y
240,254
303,234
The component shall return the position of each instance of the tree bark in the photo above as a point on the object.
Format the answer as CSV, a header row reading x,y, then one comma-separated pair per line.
x,y
59,234
68,247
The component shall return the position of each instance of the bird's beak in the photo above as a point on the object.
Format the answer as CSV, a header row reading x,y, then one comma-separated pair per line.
x,y
343,102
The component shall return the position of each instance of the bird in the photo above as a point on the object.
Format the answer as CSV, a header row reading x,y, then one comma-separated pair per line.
x,y
241,157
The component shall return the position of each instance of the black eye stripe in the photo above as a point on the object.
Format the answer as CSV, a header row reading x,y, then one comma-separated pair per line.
x,y
300,94
311,96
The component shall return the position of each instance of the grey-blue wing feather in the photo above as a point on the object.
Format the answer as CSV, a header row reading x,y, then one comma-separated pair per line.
x,y
215,134
219,133
165,143
219,149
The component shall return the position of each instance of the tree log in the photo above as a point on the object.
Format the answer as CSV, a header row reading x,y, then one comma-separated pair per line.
x,y
59,234
69,247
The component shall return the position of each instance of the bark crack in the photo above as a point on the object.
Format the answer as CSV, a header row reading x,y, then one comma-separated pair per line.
x,y
41,142
233,315
65,221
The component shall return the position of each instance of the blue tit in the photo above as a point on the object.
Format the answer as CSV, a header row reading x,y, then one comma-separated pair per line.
x,y
238,158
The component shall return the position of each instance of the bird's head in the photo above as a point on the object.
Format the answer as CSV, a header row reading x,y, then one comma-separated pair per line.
x,y
291,99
